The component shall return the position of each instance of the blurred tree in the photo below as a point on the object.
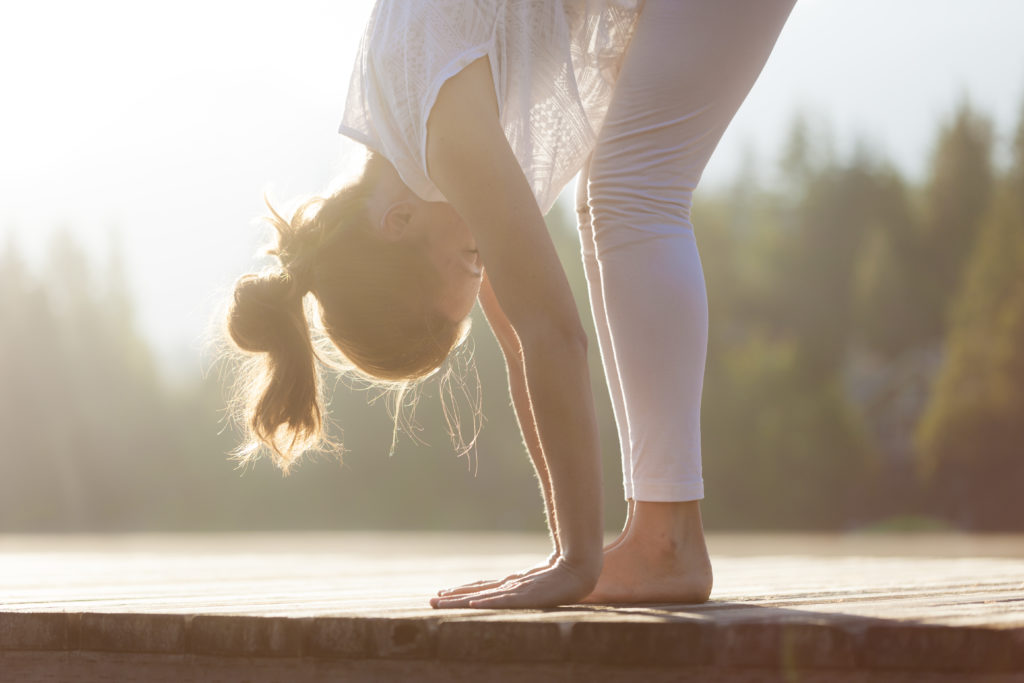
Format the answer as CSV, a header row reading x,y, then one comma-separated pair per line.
x,y
955,200
971,437
813,292
81,400
783,449
888,283
24,416
807,151
782,444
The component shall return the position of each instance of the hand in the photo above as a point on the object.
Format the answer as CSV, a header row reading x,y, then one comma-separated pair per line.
x,y
486,584
559,584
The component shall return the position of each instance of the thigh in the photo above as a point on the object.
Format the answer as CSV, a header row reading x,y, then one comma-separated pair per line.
x,y
688,68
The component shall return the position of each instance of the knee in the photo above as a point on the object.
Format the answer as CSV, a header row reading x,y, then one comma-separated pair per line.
x,y
634,206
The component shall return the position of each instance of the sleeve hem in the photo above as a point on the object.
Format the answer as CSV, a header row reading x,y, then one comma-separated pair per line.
x,y
357,135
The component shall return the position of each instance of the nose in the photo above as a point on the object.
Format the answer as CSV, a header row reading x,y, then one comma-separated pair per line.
x,y
471,259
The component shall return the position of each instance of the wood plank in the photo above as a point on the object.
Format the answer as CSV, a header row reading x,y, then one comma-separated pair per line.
x,y
325,601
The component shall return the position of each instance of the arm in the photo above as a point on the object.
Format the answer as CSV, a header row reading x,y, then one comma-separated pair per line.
x,y
512,349
471,163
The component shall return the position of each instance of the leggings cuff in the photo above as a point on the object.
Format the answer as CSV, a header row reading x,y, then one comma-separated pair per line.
x,y
668,492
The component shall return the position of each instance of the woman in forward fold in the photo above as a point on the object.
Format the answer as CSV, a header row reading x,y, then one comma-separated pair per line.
x,y
477,114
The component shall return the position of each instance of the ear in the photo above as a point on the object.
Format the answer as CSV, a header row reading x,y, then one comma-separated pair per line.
x,y
395,222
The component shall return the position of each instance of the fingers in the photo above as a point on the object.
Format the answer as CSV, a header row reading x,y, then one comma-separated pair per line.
x,y
473,587
555,586
463,600
492,583
534,595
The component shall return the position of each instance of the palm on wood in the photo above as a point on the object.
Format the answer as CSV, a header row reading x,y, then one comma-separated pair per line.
x,y
557,584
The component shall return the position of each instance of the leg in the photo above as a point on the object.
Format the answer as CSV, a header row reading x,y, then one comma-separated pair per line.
x,y
689,67
611,371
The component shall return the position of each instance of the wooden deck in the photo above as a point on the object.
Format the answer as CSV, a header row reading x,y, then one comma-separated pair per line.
x,y
327,607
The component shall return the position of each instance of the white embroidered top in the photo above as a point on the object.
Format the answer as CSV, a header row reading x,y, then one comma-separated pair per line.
x,y
554,64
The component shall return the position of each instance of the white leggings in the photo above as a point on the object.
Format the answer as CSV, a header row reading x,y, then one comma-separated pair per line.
x,y
688,68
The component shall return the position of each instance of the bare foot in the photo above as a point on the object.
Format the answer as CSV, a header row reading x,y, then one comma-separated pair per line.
x,y
662,558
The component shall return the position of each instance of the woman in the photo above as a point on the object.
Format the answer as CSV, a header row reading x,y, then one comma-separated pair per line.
x,y
478,114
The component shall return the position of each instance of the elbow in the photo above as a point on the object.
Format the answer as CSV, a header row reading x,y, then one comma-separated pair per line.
x,y
567,336
580,340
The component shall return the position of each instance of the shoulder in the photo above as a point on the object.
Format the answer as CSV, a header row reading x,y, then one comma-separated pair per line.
x,y
463,125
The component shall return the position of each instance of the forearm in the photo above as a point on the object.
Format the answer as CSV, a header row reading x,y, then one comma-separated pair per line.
x,y
528,426
558,387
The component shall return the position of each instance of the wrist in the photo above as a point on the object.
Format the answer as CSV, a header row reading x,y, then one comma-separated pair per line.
x,y
585,566
584,548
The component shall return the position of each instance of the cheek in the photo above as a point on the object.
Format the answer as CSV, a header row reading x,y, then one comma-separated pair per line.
x,y
457,232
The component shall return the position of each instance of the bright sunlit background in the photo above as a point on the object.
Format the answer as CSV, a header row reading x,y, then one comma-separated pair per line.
x,y
166,123
152,131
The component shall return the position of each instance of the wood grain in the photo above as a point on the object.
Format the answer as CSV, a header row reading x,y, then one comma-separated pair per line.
x,y
930,607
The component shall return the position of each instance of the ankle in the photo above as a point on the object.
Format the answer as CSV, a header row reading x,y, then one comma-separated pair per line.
x,y
673,524
677,514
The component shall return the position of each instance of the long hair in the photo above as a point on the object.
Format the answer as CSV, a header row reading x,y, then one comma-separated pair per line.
x,y
375,302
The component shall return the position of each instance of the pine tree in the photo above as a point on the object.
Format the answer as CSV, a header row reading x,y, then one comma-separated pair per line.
x,y
888,285
955,202
971,437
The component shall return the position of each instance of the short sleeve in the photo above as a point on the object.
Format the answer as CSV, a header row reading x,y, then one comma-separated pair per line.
x,y
553,62
410,48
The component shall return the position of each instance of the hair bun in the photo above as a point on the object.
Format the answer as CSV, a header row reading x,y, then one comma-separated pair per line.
x,y
263,311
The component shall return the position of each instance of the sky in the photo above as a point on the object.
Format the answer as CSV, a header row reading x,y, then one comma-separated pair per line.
x,y
163,124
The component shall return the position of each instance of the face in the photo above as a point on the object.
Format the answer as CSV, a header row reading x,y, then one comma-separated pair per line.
x,y
448,242
450,247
